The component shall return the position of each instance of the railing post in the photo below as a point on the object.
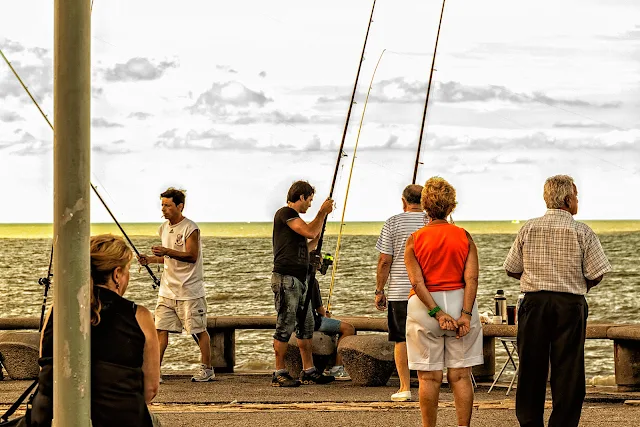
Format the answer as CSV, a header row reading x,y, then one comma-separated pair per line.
x,y
223,349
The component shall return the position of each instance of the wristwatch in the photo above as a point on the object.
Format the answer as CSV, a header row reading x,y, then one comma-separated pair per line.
x,y
379,292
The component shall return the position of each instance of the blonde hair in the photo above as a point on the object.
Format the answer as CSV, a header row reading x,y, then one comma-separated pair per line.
x,y
556,190
108,252
438,198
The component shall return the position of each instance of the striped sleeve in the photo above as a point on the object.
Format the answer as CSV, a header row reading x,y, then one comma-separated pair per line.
x,y
385,241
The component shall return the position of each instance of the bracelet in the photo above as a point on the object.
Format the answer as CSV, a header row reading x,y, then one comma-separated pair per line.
x,y
467,312
379,292
434,310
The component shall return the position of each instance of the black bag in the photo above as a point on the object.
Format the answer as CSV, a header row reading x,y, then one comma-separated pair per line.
x,y
25,420
16,422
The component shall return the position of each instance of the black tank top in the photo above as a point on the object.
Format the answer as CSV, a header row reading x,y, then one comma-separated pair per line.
x,y
117,381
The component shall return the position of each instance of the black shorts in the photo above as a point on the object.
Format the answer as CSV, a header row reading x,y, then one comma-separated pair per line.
x,y
397,320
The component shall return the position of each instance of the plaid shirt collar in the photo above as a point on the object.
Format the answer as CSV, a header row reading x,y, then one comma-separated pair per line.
x,y
558,212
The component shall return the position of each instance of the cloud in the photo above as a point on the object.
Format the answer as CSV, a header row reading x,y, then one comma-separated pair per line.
x,y
226,68
391,142
466,169
96,92
314,145
37,77
262,74
9,46
399,90
100,122
581,125
40,52
140,115
120,141
225,98
26,144
207,140
273,117
614,140
10,116
506,159
138,69
115,147
632,35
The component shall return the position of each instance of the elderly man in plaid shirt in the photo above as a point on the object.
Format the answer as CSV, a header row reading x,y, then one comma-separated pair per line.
x,y
557,260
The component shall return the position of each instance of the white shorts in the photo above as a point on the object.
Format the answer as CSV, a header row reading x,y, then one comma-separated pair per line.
x,y
175,315
430,348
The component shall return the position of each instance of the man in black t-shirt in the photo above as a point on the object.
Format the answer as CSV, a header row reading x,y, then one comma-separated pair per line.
x,y
292,240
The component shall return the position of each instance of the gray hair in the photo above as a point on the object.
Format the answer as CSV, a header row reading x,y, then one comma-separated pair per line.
x,y
412,194
556,190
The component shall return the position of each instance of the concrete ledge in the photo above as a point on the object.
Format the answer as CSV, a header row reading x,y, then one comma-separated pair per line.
x,y
594,331
368,359
323,349
624,332
20,352
18,323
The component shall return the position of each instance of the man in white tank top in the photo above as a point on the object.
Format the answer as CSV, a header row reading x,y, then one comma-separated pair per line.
x,y
181,301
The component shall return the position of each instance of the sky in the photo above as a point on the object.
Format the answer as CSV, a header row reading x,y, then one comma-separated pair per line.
x,y
233,101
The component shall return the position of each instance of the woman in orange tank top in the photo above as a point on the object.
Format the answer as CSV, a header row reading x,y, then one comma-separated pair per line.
x,y
443,325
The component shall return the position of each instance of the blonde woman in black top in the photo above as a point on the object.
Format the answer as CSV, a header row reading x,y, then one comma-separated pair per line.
x,y
125,356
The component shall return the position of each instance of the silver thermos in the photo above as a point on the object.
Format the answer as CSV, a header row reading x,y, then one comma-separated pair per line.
x,y
501,305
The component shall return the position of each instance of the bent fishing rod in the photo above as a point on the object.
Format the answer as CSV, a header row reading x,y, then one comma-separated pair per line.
x,y
315,255
426,103
346,197
156,281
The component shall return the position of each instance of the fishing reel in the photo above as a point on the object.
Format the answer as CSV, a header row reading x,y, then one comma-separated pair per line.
x,y
44,281
322,264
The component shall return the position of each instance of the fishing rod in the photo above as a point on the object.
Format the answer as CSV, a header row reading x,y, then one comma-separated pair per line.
x,y
156,281
346,197
426,103
315,255
46,282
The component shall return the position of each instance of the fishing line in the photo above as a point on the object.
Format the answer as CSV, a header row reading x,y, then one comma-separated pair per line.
x,y
156,281
426,102
315,255
346,197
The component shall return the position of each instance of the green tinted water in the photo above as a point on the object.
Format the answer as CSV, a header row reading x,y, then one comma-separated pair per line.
x,y
263,229
238,261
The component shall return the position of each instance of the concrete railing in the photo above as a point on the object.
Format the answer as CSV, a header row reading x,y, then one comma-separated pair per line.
x,y
625,337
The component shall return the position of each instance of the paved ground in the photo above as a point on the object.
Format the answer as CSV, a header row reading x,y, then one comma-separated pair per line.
x,y
249,400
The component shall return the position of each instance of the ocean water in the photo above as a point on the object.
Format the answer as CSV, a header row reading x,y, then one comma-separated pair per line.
x,y
238,261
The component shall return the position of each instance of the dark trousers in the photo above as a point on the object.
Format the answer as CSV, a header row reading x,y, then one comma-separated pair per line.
x,y
551,327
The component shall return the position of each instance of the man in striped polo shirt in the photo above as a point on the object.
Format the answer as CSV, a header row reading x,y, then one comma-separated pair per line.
x,y
394,235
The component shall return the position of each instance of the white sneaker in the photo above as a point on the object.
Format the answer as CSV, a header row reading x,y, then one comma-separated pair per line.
x,y
204,374
339,373
401,396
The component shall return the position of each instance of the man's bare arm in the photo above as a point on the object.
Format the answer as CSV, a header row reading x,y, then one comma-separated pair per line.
x,y
594,282
190,255
382,272
150,259
471,273
313,229
313,243
516,276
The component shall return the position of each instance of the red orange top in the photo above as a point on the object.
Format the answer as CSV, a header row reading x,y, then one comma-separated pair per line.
x,y
441,250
